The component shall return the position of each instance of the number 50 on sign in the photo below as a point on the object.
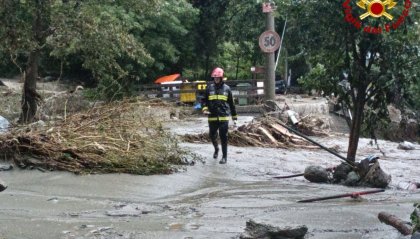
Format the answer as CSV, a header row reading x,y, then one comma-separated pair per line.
x,y
269,41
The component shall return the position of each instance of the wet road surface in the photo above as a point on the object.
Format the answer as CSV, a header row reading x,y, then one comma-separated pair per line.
x,y
207,200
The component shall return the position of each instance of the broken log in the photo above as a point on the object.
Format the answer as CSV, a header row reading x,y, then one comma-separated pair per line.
x,y
283,131
268,135
395,222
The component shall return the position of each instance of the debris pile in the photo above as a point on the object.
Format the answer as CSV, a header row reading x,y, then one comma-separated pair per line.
x,y
365,173
121,137
262,132
311,125
63,103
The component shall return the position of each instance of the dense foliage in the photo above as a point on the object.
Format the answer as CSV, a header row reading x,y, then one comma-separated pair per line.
x,y
116,45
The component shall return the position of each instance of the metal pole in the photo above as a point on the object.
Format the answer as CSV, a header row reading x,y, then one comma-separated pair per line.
x,y
281,43
269,84
351,163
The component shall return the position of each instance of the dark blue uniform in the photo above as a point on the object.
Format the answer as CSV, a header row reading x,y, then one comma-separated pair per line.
x,y
218,101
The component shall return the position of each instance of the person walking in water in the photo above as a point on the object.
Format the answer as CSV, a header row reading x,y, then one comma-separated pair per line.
x,y
219,106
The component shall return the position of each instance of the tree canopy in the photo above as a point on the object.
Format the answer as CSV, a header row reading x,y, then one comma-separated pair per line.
x,y
117,44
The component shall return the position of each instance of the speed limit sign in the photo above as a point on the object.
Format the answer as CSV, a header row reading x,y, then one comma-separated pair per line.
x,y
269,41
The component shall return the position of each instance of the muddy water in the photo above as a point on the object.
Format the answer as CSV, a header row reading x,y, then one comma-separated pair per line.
x,y
207,200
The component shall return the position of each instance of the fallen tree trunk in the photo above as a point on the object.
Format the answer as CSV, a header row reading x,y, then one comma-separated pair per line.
x,y
395,222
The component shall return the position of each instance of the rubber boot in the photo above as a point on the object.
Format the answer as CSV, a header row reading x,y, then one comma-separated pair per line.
x,y
216,153
223,160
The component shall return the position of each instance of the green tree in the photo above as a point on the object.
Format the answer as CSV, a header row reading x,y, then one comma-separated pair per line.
x,y
117,42
26,27
210,33
379,67
169,37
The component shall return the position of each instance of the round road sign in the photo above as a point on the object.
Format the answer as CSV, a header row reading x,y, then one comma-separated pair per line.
x,y
269,41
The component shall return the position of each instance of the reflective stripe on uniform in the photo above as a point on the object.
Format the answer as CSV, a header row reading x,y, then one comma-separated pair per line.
x,y
218,97
222,118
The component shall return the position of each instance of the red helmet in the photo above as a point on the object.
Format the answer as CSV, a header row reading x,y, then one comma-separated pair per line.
x,y
217,72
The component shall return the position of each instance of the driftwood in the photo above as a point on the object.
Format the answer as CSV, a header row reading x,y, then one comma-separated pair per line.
x,y
256,230
395,222
268,135
264,132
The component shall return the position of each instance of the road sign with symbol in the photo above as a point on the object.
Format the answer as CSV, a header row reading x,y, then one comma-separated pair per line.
x,y
269,41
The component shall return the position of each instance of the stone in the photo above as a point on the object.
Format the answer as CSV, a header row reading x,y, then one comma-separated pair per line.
x,y
256,230
352,179
316,174
3,186
406,146
341,172
416,235
376,177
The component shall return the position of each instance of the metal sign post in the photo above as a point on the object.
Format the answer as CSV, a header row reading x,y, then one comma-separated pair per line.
x,y
269,42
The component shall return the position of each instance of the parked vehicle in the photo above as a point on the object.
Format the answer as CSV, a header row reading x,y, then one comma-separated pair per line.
x,y
280,87
167,89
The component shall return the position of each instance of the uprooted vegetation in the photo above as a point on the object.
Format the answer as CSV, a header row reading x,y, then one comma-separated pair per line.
x,y
122,137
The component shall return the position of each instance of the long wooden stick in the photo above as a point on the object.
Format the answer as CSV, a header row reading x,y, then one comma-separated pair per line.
x,y
289,176
353,195
330,169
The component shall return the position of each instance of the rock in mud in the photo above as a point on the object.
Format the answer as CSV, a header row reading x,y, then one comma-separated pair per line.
x,y
416,235
256,230
341,172
406,146
3,186
376,177
130,210
352,179
6,167
316,174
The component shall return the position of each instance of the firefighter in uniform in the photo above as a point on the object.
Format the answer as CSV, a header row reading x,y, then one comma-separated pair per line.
x,y
218,105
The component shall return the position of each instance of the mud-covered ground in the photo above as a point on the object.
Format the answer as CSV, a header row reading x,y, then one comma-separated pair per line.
x,y
208,200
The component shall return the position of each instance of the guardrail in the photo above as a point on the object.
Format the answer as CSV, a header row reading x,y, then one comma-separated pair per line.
x,y
244,91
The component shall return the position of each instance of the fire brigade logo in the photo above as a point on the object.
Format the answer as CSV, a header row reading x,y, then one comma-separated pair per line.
x,y
376,8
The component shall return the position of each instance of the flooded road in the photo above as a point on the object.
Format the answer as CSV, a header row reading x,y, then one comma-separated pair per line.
x,y
208,200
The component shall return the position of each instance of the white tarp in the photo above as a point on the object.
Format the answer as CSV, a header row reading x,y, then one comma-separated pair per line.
x,y
4,124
